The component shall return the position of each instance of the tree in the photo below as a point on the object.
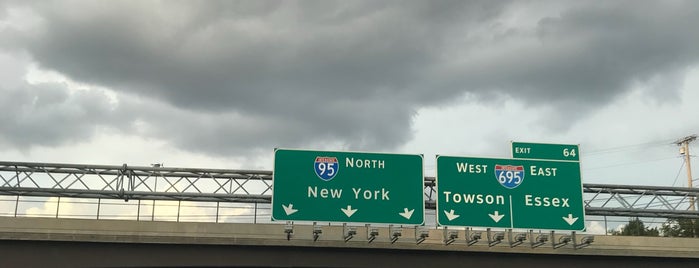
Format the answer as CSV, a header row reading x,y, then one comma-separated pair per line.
x,y
636,227
674,227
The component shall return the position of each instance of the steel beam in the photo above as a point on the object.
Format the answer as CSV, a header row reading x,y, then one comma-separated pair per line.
x,y
255,186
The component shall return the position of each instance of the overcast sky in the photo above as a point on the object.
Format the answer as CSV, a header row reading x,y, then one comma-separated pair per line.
x,y
220,84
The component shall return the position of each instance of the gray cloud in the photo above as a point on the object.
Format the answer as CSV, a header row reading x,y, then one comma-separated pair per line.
x,y
48,115
233,76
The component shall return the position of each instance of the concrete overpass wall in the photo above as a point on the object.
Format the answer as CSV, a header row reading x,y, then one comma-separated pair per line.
x,y
41,242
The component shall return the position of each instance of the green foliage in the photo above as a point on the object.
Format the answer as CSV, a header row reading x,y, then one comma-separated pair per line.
x,y
680,228
636,227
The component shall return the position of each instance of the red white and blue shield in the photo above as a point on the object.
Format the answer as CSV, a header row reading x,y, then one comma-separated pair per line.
x,y
509,176
326,167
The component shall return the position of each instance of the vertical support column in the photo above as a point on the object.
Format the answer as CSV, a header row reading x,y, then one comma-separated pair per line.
x,y
120,182
17,176
254,219
692,200
138,211
684,150
218,205
58,206
99,203
16,206
179,204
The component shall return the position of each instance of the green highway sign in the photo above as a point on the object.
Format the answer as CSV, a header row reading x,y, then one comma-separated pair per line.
x,y
348,187
525,150
509,193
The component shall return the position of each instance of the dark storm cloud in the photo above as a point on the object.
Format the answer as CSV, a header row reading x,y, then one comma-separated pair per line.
x,y
587,55
49,115
279,73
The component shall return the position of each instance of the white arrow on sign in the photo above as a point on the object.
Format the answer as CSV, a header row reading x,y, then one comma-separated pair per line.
x,y
349,211
407,213
570,220
496,216
450,215
289,209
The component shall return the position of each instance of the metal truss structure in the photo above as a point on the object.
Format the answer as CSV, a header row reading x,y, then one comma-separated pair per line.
x,y
252,186
639,201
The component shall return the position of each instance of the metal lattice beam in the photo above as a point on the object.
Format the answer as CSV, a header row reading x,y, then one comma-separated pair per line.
x,y
127,182
253,186
639,201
